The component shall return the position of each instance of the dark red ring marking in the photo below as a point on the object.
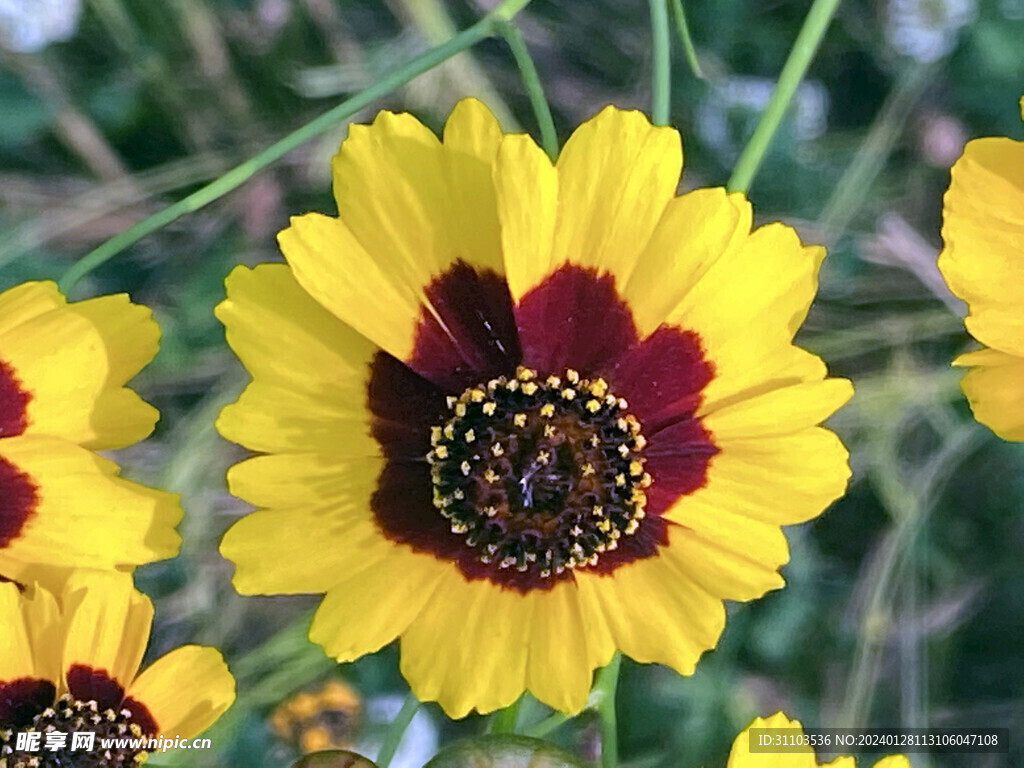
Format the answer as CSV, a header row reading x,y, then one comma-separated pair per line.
x,y
14,400
18,499
573,319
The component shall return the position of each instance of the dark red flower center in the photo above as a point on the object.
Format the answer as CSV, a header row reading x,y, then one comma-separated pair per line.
x,y
18,499
13,403
94,705
527,441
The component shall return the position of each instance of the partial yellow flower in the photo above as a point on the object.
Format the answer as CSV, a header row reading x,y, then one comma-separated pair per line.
x,y
62,396
72,664
983,263
519,414
742,757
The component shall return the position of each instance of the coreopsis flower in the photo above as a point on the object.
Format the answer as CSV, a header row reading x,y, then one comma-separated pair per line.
x,y
70,665
62,396
742,757
520,415
983,263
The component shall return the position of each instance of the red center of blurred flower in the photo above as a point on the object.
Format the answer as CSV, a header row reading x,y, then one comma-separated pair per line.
x,y
18,498
13,403
573,321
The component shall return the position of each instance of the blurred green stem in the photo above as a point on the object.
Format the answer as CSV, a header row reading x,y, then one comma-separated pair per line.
x,y
606,685
851,191
397,730
807,41
534,89
547,725
684,37
661,72
505,720
234,178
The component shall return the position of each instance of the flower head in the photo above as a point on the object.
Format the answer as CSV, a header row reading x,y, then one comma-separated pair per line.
x,y
521,414
742,757
983,263
71,665
62,373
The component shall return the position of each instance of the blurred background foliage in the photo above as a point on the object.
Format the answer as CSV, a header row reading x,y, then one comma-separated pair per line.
x,y
905,604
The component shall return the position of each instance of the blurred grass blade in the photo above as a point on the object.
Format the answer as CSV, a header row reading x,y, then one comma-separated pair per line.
x,y
234,178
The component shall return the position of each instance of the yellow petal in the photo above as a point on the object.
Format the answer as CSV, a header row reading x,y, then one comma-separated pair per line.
x,y
563,653
696,230
185,690
471,140
374,602
741,757
983,233
107,624
526,188
746,307
316,539
780,412
467,649
362,287
893,761
26,301
309,369
15,647
45,630
656,613
74,360
85,516
995,389
616,174
719,569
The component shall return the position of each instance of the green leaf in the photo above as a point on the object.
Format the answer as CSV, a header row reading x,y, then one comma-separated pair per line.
x,y
503,751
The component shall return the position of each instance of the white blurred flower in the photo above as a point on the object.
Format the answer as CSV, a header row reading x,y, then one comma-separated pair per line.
x,y
30,25
746,97
926,29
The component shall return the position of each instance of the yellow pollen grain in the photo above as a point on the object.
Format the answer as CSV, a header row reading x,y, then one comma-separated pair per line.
x,y
449,430
497,450
435,435
623,450
547,410
636,468
597,510
568,394
549,430
553,381
470,435
588,469
451,400
543,457
489,408
519,420
525,374
593,405
640,441
573,376
529,387
477,395
466,468
491,476
599,387
620,479
460,409
512,386
441,452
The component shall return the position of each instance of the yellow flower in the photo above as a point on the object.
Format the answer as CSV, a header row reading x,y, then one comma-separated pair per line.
x,y
71,665
741,756
62,396
983,263
521,414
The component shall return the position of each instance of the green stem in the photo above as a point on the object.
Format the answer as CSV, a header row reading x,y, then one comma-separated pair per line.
x,y
661,71
684,36
534,89
505,720
800,56
606,685
239,175
547,725
396,730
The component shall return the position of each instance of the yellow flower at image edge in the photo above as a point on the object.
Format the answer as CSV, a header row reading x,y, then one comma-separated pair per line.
x,y
742,757
983,263
62,371
521,415
71,665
